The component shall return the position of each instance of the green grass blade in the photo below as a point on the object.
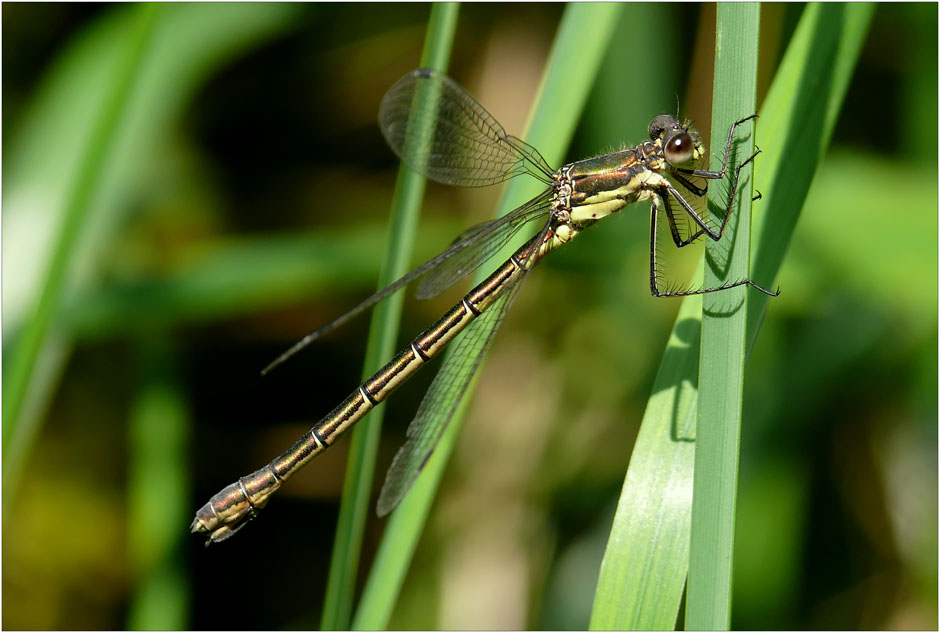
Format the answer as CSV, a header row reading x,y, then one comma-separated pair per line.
x,y
566,83
364,445
643,571
644,567
796,122
724,324
48,158
158,491
233,277
78,206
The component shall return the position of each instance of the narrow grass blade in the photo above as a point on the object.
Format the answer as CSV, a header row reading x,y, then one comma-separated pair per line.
x,y
78,207
158,492
566,83
48,158
643,571
796,124
364,445
724,324
644,568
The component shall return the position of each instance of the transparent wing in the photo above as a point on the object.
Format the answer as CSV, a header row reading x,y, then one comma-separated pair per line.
x,y
445,393
482,242
468,252
440,131
440,402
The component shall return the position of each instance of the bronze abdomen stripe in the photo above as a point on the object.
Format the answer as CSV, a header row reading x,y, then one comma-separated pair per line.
x,y
233,503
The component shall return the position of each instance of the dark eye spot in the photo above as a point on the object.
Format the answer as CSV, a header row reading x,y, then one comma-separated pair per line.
x,y
679,149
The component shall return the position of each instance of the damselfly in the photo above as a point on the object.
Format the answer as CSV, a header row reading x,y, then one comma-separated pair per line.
x,y
438,129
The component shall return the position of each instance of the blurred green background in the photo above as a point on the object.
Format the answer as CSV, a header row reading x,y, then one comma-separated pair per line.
x,y
243,203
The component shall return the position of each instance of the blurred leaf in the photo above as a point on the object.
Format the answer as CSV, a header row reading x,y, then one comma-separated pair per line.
x,y
406,209
55,165
76,208
190,41
240,276
797,121
566,81
644,564
855,232
158,494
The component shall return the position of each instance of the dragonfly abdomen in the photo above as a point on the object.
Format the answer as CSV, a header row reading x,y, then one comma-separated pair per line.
x,y
234,505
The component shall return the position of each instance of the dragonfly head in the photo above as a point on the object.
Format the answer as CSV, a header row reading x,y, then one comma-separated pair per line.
x,y
681,144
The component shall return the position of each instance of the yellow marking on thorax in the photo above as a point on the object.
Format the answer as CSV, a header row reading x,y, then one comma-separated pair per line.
x,y
563,234
596,210
604,203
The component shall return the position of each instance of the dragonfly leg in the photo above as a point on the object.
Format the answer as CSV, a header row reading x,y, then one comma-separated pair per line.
x,y
676,238
665,189
714,175
662,199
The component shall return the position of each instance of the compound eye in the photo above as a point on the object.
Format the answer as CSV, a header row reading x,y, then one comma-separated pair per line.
x,y
679,149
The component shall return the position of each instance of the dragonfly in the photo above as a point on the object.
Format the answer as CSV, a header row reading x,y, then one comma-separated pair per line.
x,y
438,129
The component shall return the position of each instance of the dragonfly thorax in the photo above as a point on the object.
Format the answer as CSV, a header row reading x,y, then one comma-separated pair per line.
x,y
594,188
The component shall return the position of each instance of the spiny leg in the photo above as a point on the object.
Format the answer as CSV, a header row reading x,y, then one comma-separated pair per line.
x,y
734,192
676,238
668,189
654,263
714,175
701,191
654,217
698,191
